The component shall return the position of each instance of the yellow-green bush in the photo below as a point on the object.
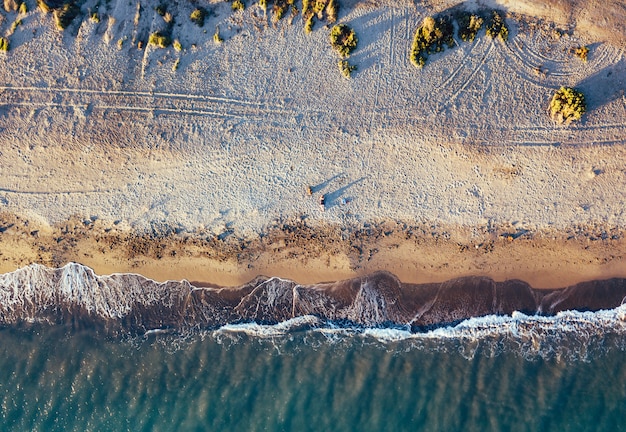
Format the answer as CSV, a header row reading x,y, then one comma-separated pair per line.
x,y
497,27
567,105
160,40
4,44
198,15
343,40
431,37
469,26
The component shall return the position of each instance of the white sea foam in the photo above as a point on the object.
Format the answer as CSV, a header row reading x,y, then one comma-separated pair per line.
x,y
26,295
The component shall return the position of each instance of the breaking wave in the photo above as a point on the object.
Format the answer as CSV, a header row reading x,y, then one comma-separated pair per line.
x,y
471,315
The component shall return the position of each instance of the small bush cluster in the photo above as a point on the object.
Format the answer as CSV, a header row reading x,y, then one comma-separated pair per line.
x,y
321,9
343,40
47,6
567,105
161,9
279,8
431,37
198,16
64,15
11,5
346,68
497,27
238,5
216,36
4,44
160,40
469,26
582,53
15,25
63,12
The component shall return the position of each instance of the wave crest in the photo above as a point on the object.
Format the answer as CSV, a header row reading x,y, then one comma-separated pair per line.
x,y
378,304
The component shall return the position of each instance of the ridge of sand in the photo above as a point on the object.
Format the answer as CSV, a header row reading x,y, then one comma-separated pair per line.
x,y
299,251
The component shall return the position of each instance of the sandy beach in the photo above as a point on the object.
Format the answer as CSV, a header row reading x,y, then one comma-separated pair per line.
x,y
197,163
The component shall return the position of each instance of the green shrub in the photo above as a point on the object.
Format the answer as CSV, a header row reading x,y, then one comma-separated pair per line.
x,y
161,9
263,4
431,37
469,26
346,68
160,40
308,24
198,15
581,53
177,45
64,15
567,105
320,9
4,44
47,5
278,12
332,9
497,27
343,40
238,5
95,18
23,8
216,36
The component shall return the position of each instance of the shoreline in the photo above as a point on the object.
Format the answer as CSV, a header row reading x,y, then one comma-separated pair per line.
x,y
426,253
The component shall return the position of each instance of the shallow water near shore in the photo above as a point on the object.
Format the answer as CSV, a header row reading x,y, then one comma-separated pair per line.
x,y
307,375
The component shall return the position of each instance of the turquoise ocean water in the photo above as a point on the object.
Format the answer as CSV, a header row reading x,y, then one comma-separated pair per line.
x,y
505,374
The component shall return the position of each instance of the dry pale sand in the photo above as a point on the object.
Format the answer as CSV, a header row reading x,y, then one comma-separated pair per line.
x,y
224,148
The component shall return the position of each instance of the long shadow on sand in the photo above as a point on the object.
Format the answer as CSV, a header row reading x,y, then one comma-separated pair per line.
x,y
332,198
605,86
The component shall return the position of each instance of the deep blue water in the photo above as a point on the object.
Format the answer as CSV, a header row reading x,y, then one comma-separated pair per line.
x,y
293,377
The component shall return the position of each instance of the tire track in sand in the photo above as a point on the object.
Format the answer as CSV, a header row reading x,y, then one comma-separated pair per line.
x,y
142,101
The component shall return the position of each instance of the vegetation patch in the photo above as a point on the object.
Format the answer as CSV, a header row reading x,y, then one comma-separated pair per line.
x,y
279,8
48,5
497,27
63,12
469,26
216,36
238,5
346,68
4,44
64,15
343,40
160,40
582,53
567,105
11,5
327,10
15,25
198,15
431,37
161,9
